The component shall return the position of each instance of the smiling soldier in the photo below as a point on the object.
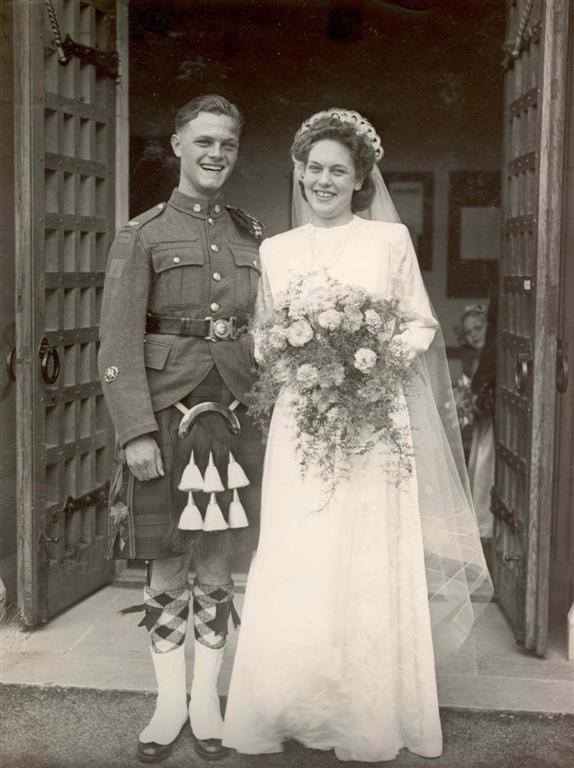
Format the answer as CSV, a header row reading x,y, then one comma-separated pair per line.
x,y
181,284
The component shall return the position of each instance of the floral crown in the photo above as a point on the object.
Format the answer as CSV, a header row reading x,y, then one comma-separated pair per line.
x,y
352,118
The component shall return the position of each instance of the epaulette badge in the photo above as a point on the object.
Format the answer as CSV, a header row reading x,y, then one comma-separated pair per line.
x,y
143,218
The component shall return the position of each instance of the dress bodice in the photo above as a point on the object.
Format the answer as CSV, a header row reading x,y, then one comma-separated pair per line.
x,y
377,256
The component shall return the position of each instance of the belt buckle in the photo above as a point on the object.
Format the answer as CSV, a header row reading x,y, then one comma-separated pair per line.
x,y
220,329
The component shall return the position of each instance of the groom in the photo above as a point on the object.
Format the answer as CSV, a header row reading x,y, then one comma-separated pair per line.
x,y
181,284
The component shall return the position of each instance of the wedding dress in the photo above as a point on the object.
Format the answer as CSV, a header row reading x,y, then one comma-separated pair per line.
x,y
481,464
335,648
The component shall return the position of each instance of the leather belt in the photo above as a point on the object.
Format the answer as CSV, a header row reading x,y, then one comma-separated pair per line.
x,y
210,328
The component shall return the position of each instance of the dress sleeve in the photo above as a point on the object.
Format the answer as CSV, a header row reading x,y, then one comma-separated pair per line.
x,y
122,328
418,325
263,304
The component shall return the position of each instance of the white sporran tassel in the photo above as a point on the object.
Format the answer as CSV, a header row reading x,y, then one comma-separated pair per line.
x,y
190,519
237,516
212,481
191,480
214,520
236,477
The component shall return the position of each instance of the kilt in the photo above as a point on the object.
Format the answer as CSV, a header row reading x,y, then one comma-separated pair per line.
x,y
143,515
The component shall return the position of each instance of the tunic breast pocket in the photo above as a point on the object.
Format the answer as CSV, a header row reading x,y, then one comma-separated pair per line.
x,y
179,277
248,274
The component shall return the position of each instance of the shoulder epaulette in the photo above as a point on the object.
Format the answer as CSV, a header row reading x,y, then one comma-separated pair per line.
x,y
246,221
143,218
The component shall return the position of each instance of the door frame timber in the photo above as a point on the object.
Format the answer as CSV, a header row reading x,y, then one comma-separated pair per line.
x,y
552,95
28,132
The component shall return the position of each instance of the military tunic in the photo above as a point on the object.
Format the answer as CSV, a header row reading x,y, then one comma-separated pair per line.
x,y
186,258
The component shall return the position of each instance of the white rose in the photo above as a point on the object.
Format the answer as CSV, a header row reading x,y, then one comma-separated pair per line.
x,y
351,296
308,376
333,375
299,333
353,319
322,305
365,359
373,320
297,308
330,319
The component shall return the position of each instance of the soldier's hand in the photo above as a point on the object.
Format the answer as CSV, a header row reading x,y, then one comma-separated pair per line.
x,y
144,458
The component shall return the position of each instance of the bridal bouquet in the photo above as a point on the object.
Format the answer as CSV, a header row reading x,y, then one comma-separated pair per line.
x,y
328,347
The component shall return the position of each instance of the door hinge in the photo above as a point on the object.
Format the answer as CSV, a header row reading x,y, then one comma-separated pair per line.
x,y
89,499
502,512
105,62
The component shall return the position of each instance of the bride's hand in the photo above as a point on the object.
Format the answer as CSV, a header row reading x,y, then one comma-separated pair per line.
x,y
258,348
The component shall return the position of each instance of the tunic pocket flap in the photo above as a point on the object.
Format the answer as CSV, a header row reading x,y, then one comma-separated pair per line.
x,y
170,258
245,257
156,354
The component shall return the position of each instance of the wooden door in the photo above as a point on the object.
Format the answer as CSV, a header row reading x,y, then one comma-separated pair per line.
x,y
528,317
562,545
65,124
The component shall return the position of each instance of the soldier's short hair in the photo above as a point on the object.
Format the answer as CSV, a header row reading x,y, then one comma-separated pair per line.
x,y
210,103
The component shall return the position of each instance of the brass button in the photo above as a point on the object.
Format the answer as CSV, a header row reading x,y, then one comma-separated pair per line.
x,y
197,208
217,208
255,262
214,248
214,307
216,277
211,221
176,259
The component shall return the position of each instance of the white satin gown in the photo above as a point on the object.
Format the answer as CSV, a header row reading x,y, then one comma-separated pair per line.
x,y
335,646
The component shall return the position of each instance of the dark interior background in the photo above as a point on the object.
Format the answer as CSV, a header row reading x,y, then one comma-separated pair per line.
x,y
427,74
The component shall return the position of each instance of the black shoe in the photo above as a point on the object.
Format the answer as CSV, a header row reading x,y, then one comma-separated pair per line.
x,y
151,752
210,749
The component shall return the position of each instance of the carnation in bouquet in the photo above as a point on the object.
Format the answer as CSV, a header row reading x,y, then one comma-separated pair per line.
x,y
329,347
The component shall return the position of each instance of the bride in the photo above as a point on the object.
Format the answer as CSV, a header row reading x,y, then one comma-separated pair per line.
x,y
347,608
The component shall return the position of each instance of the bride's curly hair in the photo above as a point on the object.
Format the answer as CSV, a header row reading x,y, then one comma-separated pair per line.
x,y
359,146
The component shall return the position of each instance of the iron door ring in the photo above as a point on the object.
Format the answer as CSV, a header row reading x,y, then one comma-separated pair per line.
x,y
522,372
10,360
50,363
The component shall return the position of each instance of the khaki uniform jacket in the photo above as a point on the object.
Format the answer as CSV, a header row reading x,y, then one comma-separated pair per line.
x,y
184,258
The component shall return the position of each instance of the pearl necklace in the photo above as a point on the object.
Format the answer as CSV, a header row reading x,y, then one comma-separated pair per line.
x,y
317,261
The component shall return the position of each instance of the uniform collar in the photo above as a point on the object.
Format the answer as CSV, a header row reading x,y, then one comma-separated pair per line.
x,y
198,208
